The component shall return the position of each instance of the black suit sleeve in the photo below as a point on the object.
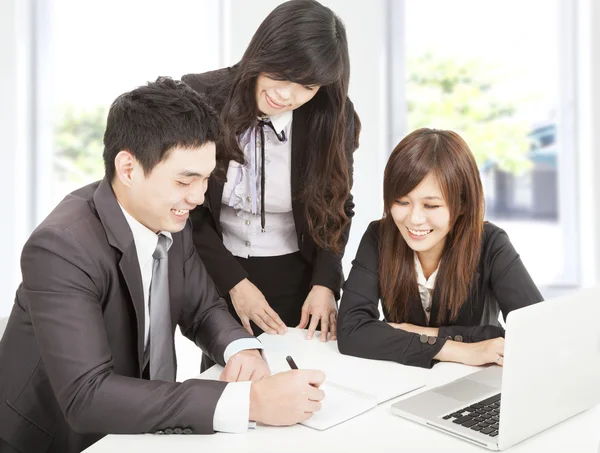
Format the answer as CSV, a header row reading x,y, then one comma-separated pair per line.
x,y
361,333
222,266
327,266
205,319
507,280
510,283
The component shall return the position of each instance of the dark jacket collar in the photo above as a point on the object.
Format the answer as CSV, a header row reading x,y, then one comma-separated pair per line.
x,y
117,229
119,236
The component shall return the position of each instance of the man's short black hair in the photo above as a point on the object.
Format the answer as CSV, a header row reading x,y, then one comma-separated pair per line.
x,y
152,119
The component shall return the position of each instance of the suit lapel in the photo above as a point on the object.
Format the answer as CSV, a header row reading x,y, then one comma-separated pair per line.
x,y
465,314
435,309
130,269
119,236
417,313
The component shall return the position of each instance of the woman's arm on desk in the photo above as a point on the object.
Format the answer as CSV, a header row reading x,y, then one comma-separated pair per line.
x,y
504,277
508,279
469,334
360,331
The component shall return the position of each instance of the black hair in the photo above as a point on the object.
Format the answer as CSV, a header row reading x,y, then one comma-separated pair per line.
x,y
304,42
153,119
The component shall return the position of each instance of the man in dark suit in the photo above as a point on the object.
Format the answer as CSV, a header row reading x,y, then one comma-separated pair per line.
x,y
108,275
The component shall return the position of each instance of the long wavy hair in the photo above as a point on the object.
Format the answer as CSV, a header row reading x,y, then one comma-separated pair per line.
x,y
303,42
445,155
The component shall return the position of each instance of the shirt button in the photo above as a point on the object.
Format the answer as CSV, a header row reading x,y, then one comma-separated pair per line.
x,y
248,244
428,309
247,222
249,199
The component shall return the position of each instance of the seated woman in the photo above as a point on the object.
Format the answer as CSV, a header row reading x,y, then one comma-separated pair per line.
x,y
441,272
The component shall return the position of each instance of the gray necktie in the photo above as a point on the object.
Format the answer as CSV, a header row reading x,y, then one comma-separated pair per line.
x,y
162,356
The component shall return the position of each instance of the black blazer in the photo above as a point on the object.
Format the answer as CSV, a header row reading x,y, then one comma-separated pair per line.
x,y
501,284
222,266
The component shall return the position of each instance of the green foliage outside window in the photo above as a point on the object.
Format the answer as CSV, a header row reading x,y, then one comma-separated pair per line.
x,y
78,144
442,93
446,93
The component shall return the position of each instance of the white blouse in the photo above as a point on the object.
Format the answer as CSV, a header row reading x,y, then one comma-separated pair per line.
x,y
240,210
426,286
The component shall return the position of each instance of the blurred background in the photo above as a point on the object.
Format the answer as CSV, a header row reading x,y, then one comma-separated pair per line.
x,y
518,79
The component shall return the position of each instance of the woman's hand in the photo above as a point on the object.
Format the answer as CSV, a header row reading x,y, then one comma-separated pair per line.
x,y
320,305
484,352
251,305
476,354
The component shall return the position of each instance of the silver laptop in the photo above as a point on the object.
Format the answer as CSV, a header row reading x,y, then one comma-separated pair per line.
x,y
551,372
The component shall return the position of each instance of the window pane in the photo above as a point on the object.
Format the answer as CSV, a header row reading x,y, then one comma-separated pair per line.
x,y
99,50
490,71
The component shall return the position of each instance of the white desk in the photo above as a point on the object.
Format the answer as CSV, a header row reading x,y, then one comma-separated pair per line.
x,y
375,431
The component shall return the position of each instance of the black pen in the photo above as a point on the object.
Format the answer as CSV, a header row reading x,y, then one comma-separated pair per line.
x,y
291,362
293,366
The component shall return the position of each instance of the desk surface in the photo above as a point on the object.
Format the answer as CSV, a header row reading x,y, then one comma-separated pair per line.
x,y
377,430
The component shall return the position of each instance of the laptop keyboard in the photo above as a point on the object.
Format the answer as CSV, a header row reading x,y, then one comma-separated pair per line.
x,y
483,416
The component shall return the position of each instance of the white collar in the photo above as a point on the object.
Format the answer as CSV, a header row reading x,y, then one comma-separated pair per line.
x,y
281,121
428,283
144,238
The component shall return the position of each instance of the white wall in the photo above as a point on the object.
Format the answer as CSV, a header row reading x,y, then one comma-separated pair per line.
x,y
588,64
15,131
368,31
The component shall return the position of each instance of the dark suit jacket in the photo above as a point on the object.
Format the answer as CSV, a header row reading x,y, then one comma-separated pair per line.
x,y
502,283
222,266
71,356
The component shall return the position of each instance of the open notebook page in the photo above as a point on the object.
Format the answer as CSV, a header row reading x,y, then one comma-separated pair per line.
x,y
340,404
385,380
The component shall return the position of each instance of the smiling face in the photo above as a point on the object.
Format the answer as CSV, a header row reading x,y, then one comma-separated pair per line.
x,y
423,218
274,97
162,199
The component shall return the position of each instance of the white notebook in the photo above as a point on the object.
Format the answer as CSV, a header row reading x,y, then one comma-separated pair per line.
x,y
341,403
353,385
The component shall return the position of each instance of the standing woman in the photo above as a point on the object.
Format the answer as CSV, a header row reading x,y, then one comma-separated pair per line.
x,y
272,233
443,274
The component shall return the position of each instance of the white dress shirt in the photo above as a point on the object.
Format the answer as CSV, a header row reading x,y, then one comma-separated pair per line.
x,y
240,210
233,408
426,287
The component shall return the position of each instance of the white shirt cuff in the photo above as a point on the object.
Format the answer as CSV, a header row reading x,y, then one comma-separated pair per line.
x,y
233,408
241,345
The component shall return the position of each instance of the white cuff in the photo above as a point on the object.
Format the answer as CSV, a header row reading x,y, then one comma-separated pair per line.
x,y
233,408
241,345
